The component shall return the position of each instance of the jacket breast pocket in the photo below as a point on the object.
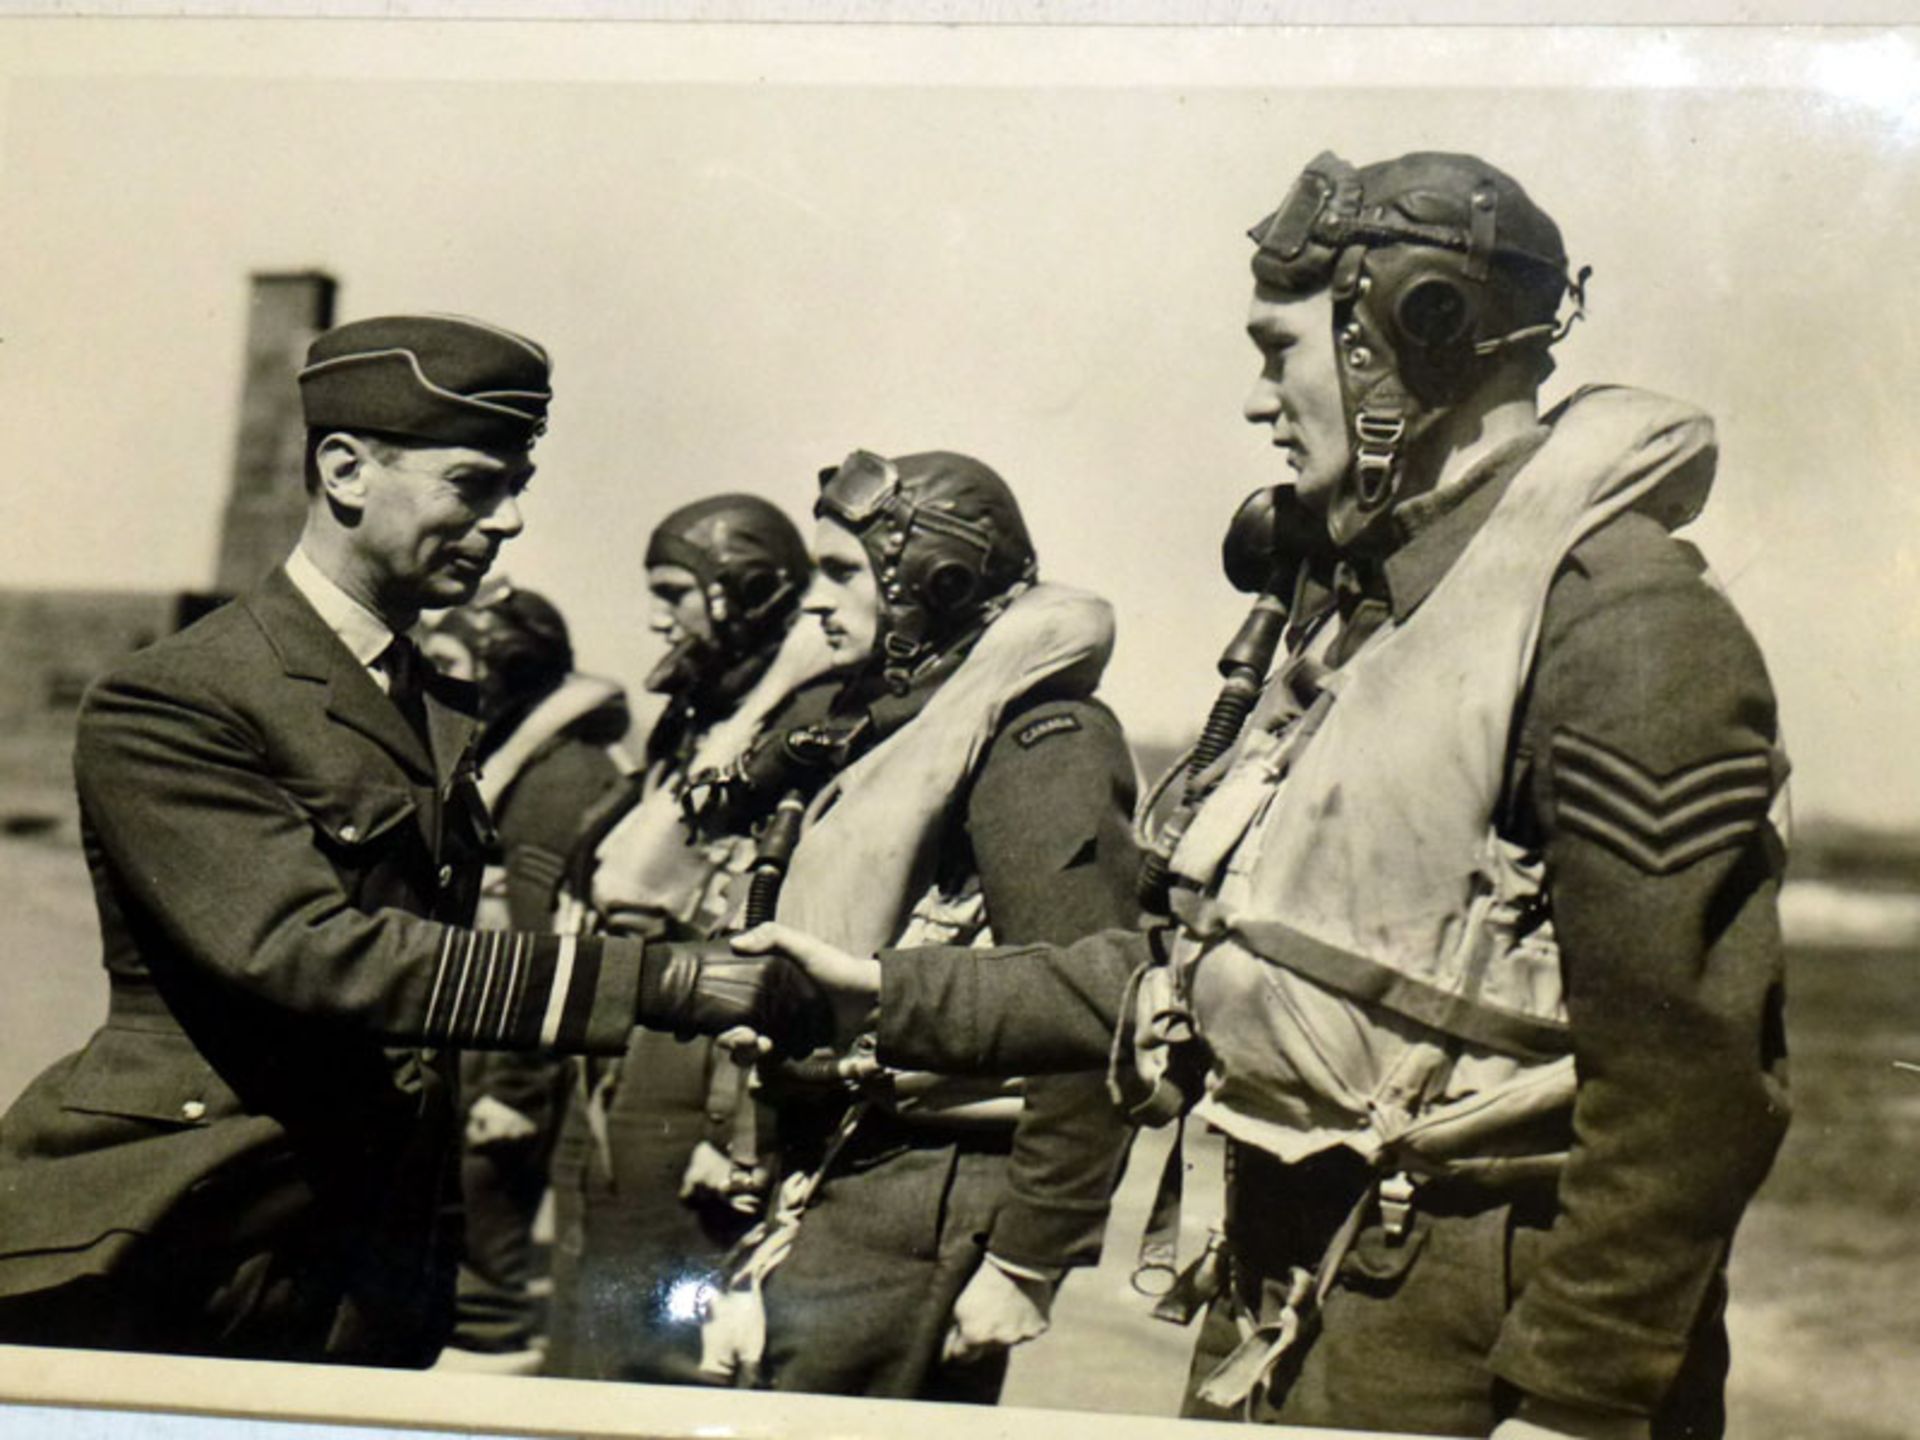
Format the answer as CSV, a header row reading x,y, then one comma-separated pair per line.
x,y
152,1075
371,835
360,821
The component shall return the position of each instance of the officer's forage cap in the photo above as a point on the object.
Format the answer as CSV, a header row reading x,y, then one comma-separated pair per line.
x,y
1456,203
435,379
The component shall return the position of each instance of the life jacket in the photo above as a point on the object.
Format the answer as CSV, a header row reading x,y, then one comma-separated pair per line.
x,y
648,873
1368,960
865,873
646,865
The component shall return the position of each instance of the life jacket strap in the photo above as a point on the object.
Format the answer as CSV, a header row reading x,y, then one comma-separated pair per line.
x,y
1239,1380
733,1323
1160,1240
1478,1022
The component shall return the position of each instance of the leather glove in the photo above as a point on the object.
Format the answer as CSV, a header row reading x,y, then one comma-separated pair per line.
x,y
705,987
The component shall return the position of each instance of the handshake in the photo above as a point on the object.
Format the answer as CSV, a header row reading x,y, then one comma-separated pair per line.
x,y
793,992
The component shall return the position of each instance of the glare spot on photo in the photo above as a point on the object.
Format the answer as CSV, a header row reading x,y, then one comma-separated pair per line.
x,y
688,1298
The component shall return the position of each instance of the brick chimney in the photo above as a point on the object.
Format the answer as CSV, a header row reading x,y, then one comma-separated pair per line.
x,y
267,502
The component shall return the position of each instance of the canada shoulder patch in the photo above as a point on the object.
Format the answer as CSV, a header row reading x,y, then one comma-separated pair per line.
x,y
1032,734
1659,823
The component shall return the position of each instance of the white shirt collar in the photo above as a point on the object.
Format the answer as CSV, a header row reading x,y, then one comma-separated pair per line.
x,y
364,633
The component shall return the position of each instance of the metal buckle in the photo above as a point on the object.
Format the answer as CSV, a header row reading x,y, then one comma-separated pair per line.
x,y
1373,461
1377,430
1396,1205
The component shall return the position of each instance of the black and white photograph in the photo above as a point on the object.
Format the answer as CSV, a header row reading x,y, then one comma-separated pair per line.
x,y
837,730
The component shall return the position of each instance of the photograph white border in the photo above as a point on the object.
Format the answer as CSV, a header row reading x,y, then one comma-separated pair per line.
x,y
1824,60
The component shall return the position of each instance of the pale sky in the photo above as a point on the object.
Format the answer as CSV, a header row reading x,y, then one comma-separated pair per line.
x,y
740,280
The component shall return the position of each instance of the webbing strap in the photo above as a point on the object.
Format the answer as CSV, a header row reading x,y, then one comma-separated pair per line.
x,y
1527,1037
1197,1285
1160,1241
733,1331
1233,1384
1236,1381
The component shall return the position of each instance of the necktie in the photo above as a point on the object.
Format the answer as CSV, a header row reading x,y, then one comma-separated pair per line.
x,y
404,663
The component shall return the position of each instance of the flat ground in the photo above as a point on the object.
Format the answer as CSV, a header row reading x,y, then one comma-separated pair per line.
x,y
1826,1323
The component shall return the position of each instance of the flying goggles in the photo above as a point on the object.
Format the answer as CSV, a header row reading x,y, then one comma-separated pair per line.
x,y
1333,214
865,487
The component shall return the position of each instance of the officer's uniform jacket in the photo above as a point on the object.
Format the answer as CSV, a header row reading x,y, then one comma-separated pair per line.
x,y
280,862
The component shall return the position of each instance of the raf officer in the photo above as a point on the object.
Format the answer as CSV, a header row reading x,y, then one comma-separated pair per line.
x,y
256,1154
1475,922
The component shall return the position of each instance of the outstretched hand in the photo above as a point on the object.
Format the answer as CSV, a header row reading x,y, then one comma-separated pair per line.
x,y
831,968
705,987
849,982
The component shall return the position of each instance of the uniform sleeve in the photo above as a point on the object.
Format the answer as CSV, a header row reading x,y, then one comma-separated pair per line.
x,y
1650,740
538,826
209,847
1012,1010
542,820
1050,824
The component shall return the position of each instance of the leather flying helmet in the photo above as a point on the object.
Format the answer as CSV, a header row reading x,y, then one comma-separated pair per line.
x,y
1439,265
946,541
751,566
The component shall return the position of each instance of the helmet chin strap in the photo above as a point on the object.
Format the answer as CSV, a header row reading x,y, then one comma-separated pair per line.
x,y
900,638
904,653
900,648
1384,417
1381,433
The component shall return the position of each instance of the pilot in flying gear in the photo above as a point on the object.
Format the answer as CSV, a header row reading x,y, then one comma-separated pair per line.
x,y
648,1194
964,787
1472,949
